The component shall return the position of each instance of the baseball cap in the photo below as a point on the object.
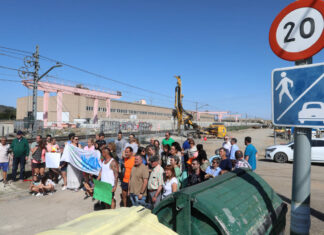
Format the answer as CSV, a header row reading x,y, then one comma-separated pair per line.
x,y
20,132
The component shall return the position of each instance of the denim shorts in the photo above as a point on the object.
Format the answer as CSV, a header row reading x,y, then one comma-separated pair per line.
x,y
4,166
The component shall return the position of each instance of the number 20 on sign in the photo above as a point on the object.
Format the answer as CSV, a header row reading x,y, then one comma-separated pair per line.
x,y
297,31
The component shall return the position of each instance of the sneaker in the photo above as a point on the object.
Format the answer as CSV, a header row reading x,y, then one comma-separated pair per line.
x,y
64,188
39,195
76,190
5,182
50,193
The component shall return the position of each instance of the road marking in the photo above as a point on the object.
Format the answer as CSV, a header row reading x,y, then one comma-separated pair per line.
x,y
299,97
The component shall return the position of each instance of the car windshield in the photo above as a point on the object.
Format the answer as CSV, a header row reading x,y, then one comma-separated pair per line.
x,y
314,106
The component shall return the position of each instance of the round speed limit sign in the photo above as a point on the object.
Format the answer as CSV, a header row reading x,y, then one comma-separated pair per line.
x,y
298,31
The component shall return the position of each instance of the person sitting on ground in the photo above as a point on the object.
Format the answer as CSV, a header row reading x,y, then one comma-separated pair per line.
x,y
137,188
174,162
226,163
240,161
47,184
170,184
213,170
202,157
89,187
129,161
155,183
142,152
165,155
196,176
4,158
34,187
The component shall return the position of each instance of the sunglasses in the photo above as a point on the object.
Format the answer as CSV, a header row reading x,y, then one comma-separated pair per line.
x,y
76,139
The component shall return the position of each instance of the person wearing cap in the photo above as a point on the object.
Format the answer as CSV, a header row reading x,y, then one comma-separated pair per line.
x,y
20,149
155,183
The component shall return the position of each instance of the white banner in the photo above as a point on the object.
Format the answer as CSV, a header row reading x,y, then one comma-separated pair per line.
x,y
52,160
84,160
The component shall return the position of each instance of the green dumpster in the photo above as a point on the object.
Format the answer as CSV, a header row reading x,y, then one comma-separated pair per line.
x,y
239,202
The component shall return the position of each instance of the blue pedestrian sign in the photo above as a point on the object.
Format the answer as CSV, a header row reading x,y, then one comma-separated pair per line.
x,y
298,96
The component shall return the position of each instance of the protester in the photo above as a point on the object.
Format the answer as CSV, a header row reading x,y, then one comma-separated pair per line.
x,y
38,156
213,170
74,176
20,149
90,146
167,140
158,149
112,147
155,183
250,153
150,151
71,137
152,141
196,176
4,158
35,186
166,154
109,173
142,152
63,172
132,143
170,184
48,139
52,146
137,188
234,148
120,146
240,161
186,144
101,141
47,185
129,161
174,162
202,157
227,145
192,152
89,187
225,163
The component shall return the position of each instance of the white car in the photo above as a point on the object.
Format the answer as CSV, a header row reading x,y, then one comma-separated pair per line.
x,y
284,153
311,111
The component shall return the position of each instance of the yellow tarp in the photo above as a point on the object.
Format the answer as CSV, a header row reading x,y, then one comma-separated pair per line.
x,y
132,220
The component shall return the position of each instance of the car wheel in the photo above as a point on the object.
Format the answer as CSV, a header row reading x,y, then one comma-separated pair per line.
x,y
280,157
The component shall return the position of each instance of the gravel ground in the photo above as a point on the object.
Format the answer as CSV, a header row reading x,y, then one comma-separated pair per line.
x,y
22,213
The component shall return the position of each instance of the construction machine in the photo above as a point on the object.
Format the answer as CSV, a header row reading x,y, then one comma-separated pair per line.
x,y
182,116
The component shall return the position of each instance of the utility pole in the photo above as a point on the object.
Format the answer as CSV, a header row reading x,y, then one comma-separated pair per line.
x,y
36,68
24,73
196,111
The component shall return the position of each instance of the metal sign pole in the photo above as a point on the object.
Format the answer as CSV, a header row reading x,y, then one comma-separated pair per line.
x,y
300,199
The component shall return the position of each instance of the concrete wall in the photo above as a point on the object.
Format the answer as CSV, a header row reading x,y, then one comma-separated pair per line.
x,y
6,129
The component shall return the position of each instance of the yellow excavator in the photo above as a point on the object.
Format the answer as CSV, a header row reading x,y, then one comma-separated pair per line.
x,y
182,116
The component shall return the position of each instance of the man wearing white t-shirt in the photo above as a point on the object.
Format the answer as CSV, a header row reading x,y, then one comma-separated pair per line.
x,y
227,145
109,173
4,158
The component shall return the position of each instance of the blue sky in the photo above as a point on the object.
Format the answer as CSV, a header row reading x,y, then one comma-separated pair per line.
x,y
220,48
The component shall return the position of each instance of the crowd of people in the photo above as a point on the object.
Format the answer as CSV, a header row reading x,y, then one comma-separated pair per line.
x,y
147,174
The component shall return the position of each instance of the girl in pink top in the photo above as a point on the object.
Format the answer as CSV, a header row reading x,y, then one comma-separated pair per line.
x,y
90,145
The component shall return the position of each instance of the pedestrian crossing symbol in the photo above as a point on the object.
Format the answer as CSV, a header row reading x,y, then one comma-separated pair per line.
x,y
298,96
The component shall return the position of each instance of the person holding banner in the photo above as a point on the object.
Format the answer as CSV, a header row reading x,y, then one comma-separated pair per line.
x,y
109,173
74,176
